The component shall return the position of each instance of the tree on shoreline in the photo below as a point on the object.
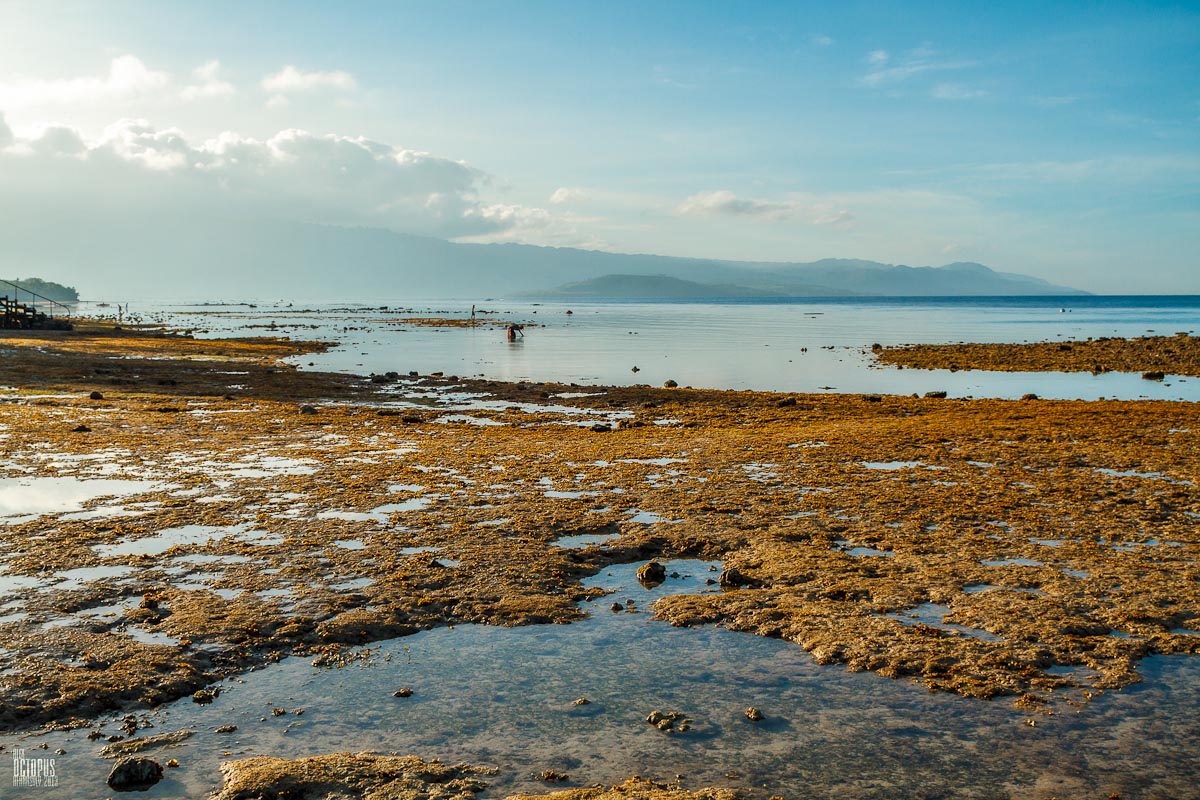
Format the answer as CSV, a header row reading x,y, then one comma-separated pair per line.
x,y
48,289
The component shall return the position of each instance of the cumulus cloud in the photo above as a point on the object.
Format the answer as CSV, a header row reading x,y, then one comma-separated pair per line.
x,y
566,195
726,203
291,79
294,175
877,57
6,134
127,78
53,141
207,83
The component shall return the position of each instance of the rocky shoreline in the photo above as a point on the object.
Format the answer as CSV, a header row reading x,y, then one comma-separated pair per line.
x,y
1035,550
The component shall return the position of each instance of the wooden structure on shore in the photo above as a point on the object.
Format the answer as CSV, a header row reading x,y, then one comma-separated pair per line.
x,y
16,315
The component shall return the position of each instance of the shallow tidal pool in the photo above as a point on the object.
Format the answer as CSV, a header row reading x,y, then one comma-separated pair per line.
x,y
506,698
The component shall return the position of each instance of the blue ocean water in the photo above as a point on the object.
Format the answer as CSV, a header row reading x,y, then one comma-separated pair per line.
x,y
796,345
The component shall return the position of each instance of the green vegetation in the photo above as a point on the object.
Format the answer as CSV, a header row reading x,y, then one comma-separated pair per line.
x,y
48,289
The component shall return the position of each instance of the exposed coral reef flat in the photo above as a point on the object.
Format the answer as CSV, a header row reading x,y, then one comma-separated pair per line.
x,y
175,511
1164,355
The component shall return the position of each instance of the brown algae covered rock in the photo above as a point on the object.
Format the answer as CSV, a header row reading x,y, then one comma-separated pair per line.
x,y
635,789
348,775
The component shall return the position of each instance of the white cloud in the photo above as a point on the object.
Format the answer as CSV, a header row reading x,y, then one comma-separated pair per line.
x,y
127,79
724,202
208,83
293,175
826,214
54,141
6,134
136,141
956,91
915,62
511,216
566,195
515,223
291,79
796,208
822,41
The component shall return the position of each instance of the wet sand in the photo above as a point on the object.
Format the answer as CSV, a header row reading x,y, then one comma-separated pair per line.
x,y
215,510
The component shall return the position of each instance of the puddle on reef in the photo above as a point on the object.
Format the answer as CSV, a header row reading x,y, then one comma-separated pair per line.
x,y
580,541
26,498
505,697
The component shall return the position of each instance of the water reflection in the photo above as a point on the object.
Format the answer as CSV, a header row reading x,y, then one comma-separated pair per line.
x,y
798,346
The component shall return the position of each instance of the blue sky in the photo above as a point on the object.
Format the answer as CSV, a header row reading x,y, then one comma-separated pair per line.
x,y
1054,139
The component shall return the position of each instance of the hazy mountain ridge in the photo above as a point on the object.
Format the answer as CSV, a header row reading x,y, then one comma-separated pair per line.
x,y
827,278
109,251
654,287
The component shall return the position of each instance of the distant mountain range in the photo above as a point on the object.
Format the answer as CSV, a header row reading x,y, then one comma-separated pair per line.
x,y
115,255
827,278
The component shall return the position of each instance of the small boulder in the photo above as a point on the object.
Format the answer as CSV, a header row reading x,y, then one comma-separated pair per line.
x,y
936,395
81,429
203,697
1029,396
651,574
134,774
732,578
95,396
670,384
308,410
405,692
1153,375
753,714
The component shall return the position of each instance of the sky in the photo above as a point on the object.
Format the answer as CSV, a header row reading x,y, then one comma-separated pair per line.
x,y
1060,140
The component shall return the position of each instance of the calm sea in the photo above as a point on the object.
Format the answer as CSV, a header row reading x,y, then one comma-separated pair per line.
x,y
781,345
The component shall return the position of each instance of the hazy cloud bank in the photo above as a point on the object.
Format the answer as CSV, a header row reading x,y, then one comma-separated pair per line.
x,y
293,175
